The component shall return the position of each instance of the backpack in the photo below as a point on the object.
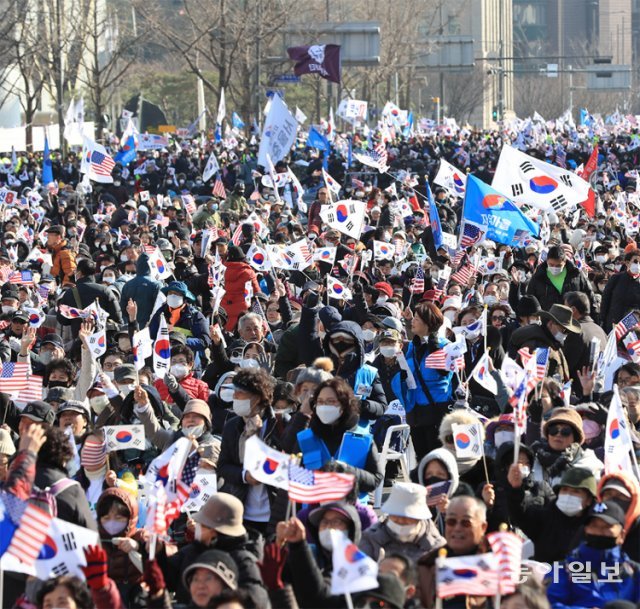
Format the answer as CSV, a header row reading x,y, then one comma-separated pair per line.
x,y
45,498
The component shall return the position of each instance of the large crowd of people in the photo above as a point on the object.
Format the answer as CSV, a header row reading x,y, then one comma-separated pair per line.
x,y
332,378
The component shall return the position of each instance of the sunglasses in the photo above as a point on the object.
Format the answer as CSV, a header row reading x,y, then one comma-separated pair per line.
x,y
465,523
498,317
557,430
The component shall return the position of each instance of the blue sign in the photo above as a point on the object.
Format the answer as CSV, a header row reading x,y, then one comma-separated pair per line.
x,y
284,78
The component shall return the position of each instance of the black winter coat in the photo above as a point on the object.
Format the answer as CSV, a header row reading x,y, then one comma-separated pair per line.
x,y
541,287
621,295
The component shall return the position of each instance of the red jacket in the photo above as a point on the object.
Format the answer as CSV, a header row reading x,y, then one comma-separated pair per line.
x,y
235,278
196,388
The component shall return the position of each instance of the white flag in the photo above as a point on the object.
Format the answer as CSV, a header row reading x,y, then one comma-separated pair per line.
x,y
222,108
325,254
162,350
279,132
353,571
142,346
345,216
258,258
97,344
158,265
530,181
168,466
617,440
211,168
122,437
482,375
301,117
382,250
266,464
204,486
332,184
468,439
337,289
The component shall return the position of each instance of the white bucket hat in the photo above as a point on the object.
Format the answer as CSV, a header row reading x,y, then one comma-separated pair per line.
x,y
409,500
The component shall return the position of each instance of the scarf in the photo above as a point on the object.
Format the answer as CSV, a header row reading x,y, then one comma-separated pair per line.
x,y
556,462
174,314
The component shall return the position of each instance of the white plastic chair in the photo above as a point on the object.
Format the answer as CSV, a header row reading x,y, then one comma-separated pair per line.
x,y
388,454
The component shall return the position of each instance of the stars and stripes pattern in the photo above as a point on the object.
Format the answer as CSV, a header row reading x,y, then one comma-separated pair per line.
x,y
626,324
471,234
437,360
13,376
632,344
33,525
464,274
307,486
417,283
218,189
507,547
101,164
32,392
21,278
188,476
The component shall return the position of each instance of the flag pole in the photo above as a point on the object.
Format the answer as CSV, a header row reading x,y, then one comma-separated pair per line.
x,y
442,553
349,600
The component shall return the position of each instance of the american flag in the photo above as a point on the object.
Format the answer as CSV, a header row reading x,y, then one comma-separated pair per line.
x,y
188,475
307,486
435,491
464,274
632,344
417,283
376,158
458,258
626,324
43,291
32,527
507,547
438,360
357,183
471,234
381,151
32,392
210,280
218,189
525,356
542,360
101,164
94,454
237,235
149,249
21,277
189,204
561,156
14,376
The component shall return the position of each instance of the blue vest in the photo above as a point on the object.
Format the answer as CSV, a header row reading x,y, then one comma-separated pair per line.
x,y
353,450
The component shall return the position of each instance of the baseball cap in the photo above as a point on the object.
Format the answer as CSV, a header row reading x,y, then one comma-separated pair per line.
x,y
53,339
39,411
75,406
608,511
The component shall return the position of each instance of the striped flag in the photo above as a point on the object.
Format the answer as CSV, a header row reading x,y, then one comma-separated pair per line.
x,y
21,278
470,235
525,356
100,163
438,360
507,547
13,376
435,491
218,189
626,324
31,393
32,527
75,313
307,486
189,204
632,345
417,283
464,274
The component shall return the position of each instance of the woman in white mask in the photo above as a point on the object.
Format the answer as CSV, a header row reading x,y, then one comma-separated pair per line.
x,y
407,529
181,373
252,403
332,441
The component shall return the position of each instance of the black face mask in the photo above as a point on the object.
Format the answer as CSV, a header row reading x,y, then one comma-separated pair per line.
x,y
433,480
600,542
342,347
53,384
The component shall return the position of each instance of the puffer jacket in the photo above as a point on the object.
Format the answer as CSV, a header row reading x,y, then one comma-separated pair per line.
x,y
550,465
379,537
120,568
143,290
566,591
64,263
233,302
541,287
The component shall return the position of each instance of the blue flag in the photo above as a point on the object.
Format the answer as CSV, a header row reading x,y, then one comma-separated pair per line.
x,y
434,218
350,153
319,141
47,168
498,217
127,153
236,121
218,133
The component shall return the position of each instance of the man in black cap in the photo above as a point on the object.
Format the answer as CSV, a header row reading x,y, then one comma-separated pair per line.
x,y
598,570
37,412
86,292
15,331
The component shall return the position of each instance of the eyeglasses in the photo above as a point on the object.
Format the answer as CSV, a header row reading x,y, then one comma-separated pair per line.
x,y
557,430
498,317
465,523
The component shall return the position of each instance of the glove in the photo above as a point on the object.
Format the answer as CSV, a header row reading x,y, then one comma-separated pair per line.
x,y
171,382
96,569
272,565
154,577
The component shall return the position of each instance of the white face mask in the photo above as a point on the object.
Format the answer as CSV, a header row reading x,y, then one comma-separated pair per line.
x,y
381,300
109,279
226,395
179,370
7,309
196,431
388,351
109,374
324,537
113,527
500,437
525,470
249,362
46,357
560,337
570,505
99,403
490,300
633,268
328,413
403,532
174,301
197,532
601,259
368,335
555,270
242,407
125,390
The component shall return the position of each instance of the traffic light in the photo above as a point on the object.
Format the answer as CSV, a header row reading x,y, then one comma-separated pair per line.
x,y
494,114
